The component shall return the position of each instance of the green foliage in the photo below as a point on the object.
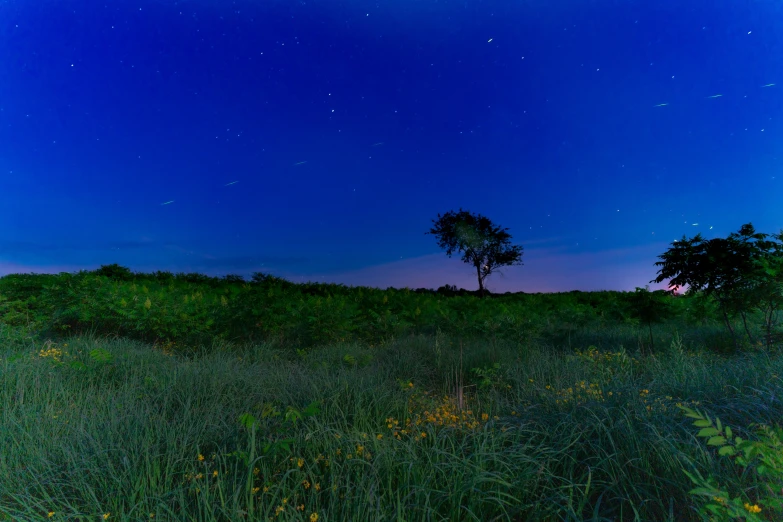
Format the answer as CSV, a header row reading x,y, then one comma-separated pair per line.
x,y
196,278
489,376
155,308
275,445
115,272
565,434
14,337
486,246
604,366
701,308
357,362
769,453
233,279
650,307
740,271
768,293
190,309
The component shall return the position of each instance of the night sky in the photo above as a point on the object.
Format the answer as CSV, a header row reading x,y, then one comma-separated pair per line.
x,y
317,140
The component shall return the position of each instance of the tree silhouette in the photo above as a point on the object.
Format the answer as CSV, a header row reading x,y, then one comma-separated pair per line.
x,y
115,272
486,246
730,269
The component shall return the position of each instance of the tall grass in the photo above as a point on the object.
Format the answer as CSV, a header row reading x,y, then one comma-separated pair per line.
x,y
363,433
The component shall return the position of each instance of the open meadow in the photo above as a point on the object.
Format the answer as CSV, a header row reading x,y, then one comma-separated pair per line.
x,y
365,405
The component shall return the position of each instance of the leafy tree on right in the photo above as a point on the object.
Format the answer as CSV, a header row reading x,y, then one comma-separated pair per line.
x,y
742,272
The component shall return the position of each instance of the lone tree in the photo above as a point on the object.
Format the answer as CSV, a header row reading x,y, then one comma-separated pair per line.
x,y
485,246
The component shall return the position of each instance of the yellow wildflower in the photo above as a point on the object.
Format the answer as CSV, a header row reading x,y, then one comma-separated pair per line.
x,y
752,509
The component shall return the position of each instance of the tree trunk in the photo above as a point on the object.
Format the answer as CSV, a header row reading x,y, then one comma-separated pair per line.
x,y
745,323
652,343
728,325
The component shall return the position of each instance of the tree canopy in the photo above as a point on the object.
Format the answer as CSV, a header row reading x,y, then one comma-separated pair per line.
x,y
741,272
486,246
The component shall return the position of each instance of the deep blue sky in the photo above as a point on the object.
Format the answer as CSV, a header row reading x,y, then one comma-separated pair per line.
x,y
347,126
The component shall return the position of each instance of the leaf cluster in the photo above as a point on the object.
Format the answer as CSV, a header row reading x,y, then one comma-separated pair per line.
x,y
742,272
719,265
768,452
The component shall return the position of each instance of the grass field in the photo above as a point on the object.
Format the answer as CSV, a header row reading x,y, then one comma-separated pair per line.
x,y
421,428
